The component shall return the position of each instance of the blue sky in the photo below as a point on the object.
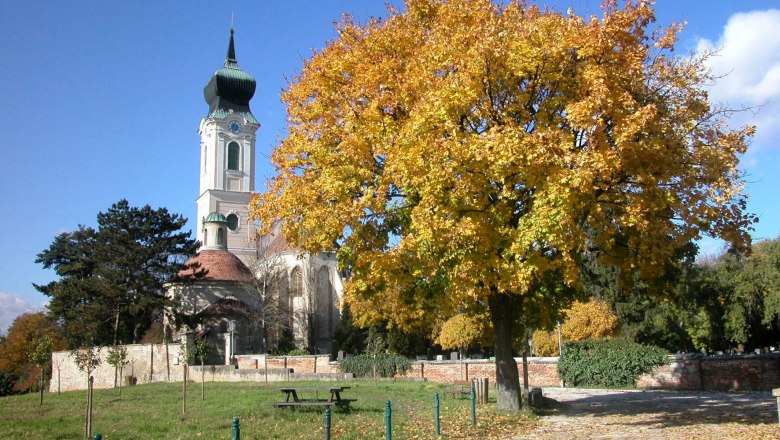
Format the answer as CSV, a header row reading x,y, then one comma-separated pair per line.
x,y
102,100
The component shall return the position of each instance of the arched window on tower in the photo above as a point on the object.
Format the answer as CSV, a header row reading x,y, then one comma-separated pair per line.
x,y
220,237
234,152
205,237
232,222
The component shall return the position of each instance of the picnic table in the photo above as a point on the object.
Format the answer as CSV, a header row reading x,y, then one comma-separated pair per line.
x,y
293,397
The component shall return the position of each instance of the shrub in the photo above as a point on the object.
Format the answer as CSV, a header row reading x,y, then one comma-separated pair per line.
x,y
615,363
545,343
593,319
387,365
299,352
7,382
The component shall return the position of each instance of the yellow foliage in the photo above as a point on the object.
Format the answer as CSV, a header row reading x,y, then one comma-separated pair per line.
x,y
460,331
593,319
462,150
545,343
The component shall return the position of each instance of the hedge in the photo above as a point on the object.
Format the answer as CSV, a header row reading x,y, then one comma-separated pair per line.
x,y
387,365
607,363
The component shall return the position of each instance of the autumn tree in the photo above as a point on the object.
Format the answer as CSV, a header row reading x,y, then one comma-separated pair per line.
x,y
584,320
461,154
459,332
111,278
19,354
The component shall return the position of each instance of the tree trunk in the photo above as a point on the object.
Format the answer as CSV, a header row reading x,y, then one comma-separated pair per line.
x,y
503,312
42,382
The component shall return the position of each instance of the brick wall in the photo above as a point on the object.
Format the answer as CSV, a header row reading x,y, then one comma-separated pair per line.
x,y
319,364
719,373
542,372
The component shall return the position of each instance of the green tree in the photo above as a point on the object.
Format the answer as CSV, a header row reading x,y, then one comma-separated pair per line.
x,y
200,351
348,337
87,359
117,358
111,278
738,299
479,144
40,355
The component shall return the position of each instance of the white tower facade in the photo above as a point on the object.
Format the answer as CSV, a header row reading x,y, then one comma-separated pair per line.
x,y
227,153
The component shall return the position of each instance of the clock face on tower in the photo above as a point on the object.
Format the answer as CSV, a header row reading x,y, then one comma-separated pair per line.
x,y
235,127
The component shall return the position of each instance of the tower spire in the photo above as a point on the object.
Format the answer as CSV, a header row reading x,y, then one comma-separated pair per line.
x,y
231,53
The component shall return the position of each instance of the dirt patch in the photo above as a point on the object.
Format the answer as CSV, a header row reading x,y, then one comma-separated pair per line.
x,y
610,414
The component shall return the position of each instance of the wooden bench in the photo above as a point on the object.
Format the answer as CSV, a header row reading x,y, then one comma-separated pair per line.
x,y
460,388
341,403
293,400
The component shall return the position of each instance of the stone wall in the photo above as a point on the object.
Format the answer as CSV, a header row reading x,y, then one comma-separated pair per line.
x,y
148,363
160,363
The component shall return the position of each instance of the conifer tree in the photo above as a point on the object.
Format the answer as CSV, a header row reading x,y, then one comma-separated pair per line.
x,y
111,284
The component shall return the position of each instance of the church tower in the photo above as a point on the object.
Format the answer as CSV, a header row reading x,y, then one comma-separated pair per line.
x,y
227,155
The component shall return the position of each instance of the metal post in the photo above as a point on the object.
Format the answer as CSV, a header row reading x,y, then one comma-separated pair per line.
x,y
327,423
184,391
388,421
473,406
236,429
436,413
560,339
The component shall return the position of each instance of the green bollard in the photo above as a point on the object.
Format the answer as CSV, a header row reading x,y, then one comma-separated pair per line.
x,y
327,423
97,437
388,421
436,412
473,406
236,429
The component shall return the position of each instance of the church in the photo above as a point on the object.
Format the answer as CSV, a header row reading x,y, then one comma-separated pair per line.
x,y
247,294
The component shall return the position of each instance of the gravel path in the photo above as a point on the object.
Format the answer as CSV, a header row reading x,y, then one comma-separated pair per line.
x,y
611,414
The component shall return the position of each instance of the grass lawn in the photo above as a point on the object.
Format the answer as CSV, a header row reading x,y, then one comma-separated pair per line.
x,y
154,411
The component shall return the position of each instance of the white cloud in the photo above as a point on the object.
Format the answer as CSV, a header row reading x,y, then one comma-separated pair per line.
x,y
748,61
11,306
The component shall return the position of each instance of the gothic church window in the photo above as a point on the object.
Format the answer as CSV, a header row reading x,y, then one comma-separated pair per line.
x,y
233,155
296,283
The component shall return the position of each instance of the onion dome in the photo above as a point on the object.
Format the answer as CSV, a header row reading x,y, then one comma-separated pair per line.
x,y
230,89
216,265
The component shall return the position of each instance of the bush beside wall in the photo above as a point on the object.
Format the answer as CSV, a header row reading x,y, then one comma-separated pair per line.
x,y
614,363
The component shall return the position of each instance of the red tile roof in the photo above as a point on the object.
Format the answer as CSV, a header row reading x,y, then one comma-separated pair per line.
x,y
218,266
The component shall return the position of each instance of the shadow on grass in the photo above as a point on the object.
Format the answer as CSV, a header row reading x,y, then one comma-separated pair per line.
x,y
670,408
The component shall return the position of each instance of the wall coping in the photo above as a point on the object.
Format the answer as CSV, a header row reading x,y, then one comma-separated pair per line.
x,y
535,360
725,357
